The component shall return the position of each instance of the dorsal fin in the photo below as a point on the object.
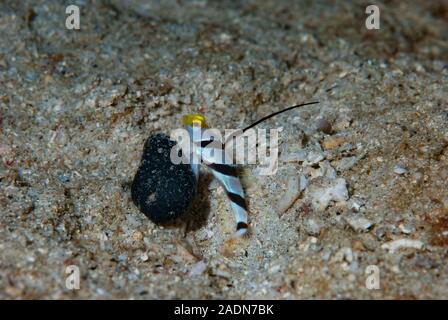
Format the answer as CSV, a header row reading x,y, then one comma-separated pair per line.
x,y
278,112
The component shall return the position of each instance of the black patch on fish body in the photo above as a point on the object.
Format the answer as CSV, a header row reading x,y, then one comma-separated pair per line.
x,y
162,190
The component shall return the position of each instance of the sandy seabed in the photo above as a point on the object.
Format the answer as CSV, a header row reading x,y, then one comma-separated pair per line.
x,y
77,106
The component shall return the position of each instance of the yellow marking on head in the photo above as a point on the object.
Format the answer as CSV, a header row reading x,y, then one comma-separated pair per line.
x,y
192,120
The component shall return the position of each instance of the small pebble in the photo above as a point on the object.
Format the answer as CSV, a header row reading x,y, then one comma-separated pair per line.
x,y
326,170
406,228
303,181
324,126
333,142
344,254
144,257
400,170
343,123
292,193
395,245
314,157
359,223
312,227
326,191
356,204
298,156
380,232
63,178
197,269
345,163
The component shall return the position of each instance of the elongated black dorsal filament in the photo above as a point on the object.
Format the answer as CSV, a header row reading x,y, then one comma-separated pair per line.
x,y
227,174
269,116
278,112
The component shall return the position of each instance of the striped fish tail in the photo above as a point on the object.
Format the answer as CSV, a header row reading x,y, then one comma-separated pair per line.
x,y
220,164
228,177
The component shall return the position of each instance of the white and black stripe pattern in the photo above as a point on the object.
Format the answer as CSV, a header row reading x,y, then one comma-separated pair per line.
x,y
214,157
221,165
227,176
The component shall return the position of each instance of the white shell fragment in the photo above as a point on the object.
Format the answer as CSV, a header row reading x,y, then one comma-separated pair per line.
x,y
314,157
406,228
395,245
359,223
400,170
326,170
198,268
293,190
357,203
332,190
